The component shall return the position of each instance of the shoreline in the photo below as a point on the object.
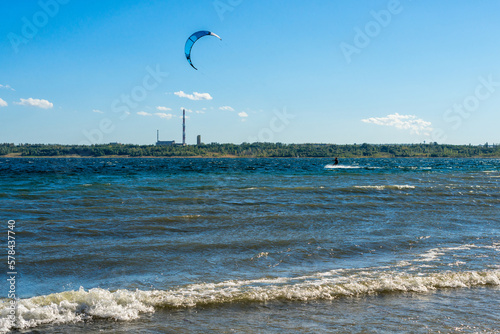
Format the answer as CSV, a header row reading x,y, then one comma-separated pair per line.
x,y
254,150
17,156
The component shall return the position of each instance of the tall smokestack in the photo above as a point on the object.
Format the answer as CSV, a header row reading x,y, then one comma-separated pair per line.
x,y
157,135
183,127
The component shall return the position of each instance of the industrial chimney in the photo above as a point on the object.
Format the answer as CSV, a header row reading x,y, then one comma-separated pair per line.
x,y
183,127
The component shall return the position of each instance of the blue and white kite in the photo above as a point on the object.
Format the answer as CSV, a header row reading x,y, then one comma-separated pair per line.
x,y
192,39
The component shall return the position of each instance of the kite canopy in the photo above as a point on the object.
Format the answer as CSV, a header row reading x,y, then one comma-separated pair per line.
x,y
192,39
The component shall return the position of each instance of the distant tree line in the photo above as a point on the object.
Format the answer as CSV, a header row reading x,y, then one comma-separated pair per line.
x,y
274,150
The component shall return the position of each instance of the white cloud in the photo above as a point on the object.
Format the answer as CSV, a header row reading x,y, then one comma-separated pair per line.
x,y
190,111
163,108
243,114
7,87
403,122
3,103
195,96
226,108
98,111
143,113
163,115
44,104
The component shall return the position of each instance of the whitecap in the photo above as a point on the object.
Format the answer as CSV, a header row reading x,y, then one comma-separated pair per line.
x,y
341,167
398,187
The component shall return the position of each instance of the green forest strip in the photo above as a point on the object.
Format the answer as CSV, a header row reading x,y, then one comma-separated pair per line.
x,y
255,150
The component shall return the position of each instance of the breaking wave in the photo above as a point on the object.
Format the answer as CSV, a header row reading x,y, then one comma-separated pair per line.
x,y
124,305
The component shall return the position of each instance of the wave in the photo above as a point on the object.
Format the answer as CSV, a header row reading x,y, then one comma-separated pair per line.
x,y
341,167
330,166
124,305
404,168
393,187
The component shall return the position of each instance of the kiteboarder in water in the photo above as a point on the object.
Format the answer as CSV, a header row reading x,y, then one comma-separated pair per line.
x,y
336,161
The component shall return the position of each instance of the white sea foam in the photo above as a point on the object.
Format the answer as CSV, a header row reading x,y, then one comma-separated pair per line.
x,y
191,216
74,306
370,187
329,166
431,255
397,187
435,254
404,186
262,254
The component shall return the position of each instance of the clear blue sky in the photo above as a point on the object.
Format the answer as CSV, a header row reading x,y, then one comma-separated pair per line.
x,y
315,71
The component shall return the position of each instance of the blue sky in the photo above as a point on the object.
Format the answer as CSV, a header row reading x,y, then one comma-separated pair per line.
x,y
315,71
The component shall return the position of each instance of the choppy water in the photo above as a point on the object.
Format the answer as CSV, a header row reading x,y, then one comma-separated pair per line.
x,y
253,245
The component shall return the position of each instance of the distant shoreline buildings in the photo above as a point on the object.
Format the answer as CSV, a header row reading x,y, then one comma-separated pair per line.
x,y
172,142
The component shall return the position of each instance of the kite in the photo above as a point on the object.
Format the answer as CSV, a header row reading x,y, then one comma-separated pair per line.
x,y
192,39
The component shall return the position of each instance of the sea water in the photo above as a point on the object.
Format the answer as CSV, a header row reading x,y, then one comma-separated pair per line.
x,y
252,245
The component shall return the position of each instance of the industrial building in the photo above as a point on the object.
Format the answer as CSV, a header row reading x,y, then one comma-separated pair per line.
x,y
172,142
